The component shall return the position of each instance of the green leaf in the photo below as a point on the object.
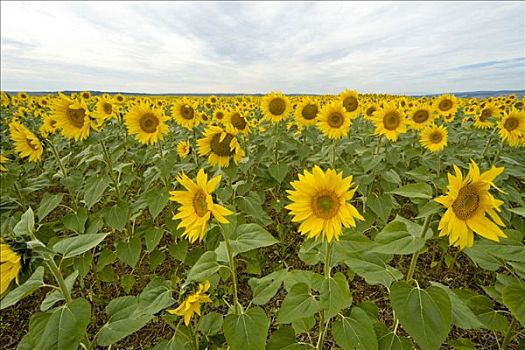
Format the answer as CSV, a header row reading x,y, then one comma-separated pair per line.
x,y
129,251
355,331
400,236
37,324
83,264
381,206
210,324
278,171
417,190
206,266
284,339
156,258
56,295
374,269
77,245
520,211
247,330
33,283
156,296
462,344
266,287
117,216
152,237
67,326
462,315
94,188
26,224
426,314
247,237
48,203
127,282
157,200
76,221
298,303
335,295
514,299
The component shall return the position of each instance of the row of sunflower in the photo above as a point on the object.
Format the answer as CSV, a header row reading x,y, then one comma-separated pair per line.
x,y
207,250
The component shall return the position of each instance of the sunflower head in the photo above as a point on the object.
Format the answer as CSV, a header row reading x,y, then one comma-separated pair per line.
x,y
11,264
72,117
147,124
27,144
306,112
192,304
183,149
470,207
512,128
434,138
320,203
446,105
420,116
221,145
184,111
389,121
350,101
197,206
276,106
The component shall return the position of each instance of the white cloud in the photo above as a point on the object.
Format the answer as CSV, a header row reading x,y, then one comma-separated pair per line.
x,y
312,47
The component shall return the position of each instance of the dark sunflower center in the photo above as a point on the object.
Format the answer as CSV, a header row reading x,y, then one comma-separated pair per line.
x,y
335,120
466,203
238,121
485,114
391,120
187,112
199,203
221,148
350,103
219,115
420,116
309,111
436,137
370,111
511,124
108,108
325,204
76,117
149,122
518,105
30,144
120,98
277,106
213,100
86,95
445,105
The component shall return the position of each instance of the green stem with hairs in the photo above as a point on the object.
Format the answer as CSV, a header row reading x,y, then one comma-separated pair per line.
x,y
55,152
233,270
413,261
107,159
323,325
508,335
58,277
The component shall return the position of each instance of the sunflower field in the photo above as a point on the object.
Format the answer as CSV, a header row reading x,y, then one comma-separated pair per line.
x,y
350,221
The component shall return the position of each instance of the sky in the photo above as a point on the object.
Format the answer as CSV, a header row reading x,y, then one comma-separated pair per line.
x,y
258,47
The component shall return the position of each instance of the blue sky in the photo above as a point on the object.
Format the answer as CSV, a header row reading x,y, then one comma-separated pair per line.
x,y
257,47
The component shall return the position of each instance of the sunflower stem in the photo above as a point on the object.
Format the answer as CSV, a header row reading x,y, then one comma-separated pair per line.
x,y
233,270
323,325
334,144
508,335
487,144
55,152
107,159
194,150
58,277
413,261
378,145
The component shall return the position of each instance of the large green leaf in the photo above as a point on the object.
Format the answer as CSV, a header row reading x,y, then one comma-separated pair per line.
x,y
278,171
417,190
514,299
248,330
57,295
33,283
129,251
157,200
400,236
67,326
48,203
246,237
206,266
25,226
211,323
426,314
335,295
374,269
77,245
355,331
266,287
284,339
94,188
298,303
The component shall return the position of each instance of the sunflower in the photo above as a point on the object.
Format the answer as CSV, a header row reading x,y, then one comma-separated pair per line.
x,y
369,111
319,202
184,111
26,143
420,116
219,114
49,126
488,111
389,121
119,98
3,160
192,303
350,101
334,121
183,149
512,128
446,105
105,109
72,118
275,106
434,138
10,265
197,206
237,122
221,145
468,201
147,124
86,95
306,112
